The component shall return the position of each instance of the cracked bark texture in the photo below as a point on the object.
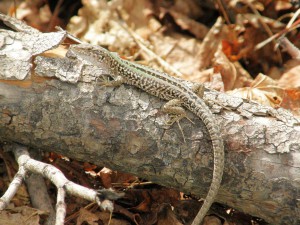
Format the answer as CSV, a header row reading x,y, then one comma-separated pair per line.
x,y
124,129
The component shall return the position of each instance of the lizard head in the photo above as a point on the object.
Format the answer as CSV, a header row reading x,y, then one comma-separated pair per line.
x,y
93,54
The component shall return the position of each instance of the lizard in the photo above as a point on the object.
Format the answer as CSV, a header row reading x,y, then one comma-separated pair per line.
x,y
166,87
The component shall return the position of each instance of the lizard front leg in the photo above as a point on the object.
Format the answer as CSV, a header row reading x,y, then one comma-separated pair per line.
x,y
115,82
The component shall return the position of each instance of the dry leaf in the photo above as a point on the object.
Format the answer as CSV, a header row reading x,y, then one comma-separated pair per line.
x,y
263,90
89,167
98,23
139,13
111,178
105,175
86,217
290,78
167,216
243,77
145,204
196,28
210,44
291,101
134,217
21,215
179,51
211,220
282,5
165,195
187,7
35,15
226,68
118,220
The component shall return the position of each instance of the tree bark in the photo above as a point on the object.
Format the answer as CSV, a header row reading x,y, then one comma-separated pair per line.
x,y
124,129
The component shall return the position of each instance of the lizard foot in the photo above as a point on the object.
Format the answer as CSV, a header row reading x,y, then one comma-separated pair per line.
x,y
107,82
176,113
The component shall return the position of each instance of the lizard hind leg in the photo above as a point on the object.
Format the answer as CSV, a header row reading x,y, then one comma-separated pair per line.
x,y
176,113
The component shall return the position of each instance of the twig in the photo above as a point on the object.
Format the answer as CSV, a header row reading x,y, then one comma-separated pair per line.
x,y
224,12
13,188
290,23
59,180
60,206
290,48
264,25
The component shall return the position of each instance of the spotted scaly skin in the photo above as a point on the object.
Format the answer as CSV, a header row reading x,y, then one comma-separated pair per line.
x,y
165,87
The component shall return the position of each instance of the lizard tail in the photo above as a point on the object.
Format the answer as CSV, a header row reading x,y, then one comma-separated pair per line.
x,y
218,149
